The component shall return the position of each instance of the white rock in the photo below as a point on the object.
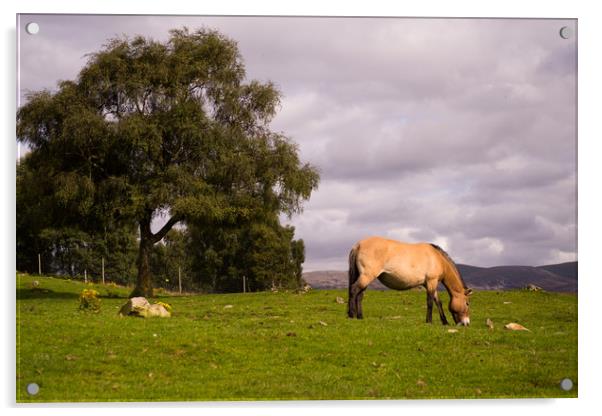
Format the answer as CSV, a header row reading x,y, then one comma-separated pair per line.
x,y
513,326
141,307
157,310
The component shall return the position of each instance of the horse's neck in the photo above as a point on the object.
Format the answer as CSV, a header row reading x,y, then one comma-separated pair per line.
x,y
452,283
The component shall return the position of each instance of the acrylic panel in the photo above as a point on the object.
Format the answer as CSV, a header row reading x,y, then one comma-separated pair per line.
x,y
239,208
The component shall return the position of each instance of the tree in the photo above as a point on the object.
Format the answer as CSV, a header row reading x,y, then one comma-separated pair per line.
x,y
262,251
171,256
298,258
269,257
151,128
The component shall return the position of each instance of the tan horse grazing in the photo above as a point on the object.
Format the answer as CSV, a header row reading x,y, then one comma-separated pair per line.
x,y
402,266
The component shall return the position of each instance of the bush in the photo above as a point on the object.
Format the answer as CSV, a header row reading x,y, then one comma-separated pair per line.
x,y
88,300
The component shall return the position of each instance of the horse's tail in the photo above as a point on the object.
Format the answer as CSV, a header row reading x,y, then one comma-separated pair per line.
x,y
354,274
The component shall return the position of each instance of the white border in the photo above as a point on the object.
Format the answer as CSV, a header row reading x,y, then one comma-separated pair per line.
x,y
589,194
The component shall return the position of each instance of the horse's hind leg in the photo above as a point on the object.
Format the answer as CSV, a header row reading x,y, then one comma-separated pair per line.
x,y
351,304
356,293
351,307
358,301
354,307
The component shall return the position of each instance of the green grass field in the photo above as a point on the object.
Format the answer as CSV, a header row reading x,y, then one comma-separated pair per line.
x,y
273,346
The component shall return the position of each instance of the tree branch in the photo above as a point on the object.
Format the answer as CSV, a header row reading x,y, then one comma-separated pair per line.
x,y
165,229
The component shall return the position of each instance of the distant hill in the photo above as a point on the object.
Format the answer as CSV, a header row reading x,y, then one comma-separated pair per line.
x,y
563,269
554,277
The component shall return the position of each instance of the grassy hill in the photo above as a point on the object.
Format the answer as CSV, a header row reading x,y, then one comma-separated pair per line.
x,y
271,346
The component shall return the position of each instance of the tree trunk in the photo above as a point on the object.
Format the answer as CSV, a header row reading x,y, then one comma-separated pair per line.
x,y
144,286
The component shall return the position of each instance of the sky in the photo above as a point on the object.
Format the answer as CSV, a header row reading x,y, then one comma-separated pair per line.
x,y
460,132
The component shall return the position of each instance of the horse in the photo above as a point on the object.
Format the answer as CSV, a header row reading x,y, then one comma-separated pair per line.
x,y
403,266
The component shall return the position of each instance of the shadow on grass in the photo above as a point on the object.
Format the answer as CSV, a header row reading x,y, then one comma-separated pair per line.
x,y
114,296
37,293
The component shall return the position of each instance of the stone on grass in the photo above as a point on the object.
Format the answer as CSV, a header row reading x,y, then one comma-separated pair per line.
x,y
142,308
158,310
513,326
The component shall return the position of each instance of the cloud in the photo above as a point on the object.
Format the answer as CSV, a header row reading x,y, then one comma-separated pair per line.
x,y
455,131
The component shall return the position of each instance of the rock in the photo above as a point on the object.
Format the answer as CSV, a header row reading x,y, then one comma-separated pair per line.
x,y
306,288
513,326
157,310
135,306
141,307
339,299
490,324
531,287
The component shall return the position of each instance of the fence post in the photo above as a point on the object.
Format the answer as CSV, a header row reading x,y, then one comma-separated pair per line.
x,y
180,279
244,284
102,263
39,264
85,276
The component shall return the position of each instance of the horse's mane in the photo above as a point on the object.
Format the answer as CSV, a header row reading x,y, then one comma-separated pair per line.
x,y
440,250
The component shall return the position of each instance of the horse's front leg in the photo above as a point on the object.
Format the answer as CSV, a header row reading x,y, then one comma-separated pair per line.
x,y
440,307
429,308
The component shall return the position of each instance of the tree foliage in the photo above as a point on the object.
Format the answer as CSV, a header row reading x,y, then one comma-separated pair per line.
x,y
171,259
150,128
264,253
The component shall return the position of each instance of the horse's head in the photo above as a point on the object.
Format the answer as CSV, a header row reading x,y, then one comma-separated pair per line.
x,y
459,306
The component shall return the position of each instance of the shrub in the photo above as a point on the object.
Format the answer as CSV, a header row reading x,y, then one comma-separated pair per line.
x,y
88,300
